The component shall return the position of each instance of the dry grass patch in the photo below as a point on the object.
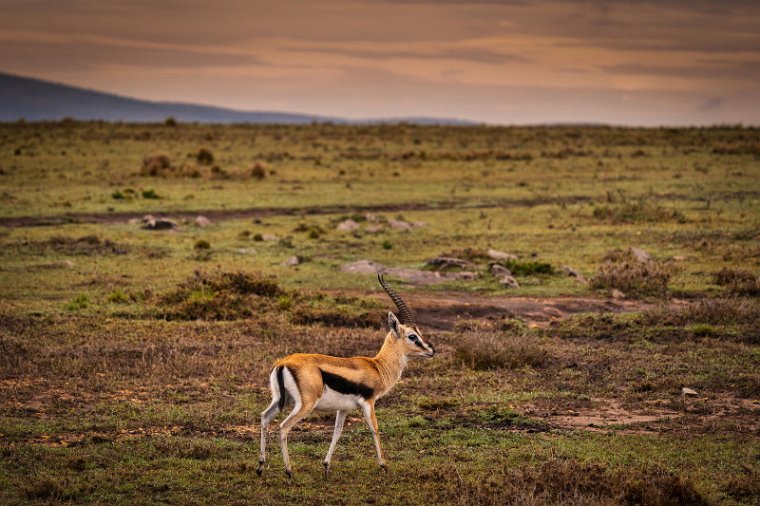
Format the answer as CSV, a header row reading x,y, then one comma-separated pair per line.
x,y
738,281
641,211
569,482
485,350
621,270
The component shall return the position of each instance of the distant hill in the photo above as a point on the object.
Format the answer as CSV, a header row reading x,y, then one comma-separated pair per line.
x,y
38,100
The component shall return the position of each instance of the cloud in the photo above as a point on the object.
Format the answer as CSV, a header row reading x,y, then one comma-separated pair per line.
x,y
477,55
81,54
712,104
718,69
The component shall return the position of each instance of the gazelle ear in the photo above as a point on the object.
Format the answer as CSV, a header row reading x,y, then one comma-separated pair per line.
x,y
393,323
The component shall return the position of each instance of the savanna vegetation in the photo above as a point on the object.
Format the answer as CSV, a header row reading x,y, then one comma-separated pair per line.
x,y
592,291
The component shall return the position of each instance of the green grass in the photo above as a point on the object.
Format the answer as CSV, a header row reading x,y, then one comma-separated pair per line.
x,y
134,363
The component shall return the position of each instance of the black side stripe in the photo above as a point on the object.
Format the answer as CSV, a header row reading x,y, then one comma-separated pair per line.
x,y
346,386
283,393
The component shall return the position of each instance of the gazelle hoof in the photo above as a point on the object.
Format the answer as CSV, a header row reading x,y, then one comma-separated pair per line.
x,y
260,469
327,469
289,474
384,467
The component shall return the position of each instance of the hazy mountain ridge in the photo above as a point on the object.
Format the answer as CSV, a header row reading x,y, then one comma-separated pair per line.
x,y
39,100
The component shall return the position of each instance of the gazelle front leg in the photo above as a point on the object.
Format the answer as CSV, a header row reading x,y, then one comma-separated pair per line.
x,y
340,419
369,415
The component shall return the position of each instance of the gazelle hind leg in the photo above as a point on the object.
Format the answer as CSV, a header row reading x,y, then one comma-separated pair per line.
x,y
266,418
369,415
340,419
295,416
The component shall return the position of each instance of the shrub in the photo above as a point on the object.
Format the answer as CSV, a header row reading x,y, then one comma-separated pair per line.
x,y
150,194
118,297
491,350
621,270
117,195
259,171
156,165
640,211
737,281
565,481
529,268
170,122
85,245
81,301
220,296
201,244
204,156
387,244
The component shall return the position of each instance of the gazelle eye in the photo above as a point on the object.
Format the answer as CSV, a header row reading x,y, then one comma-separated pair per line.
x,y
413,338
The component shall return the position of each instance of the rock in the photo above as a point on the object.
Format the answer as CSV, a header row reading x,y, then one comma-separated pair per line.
x,y
292,261
373,228
160,224
575,274
617,294
443,263
417,224
679,258
499,271
363,267
500,255
509,282
370,217
400,225
269,237
135,221
688,392
348,226
418,276
202,221
640,255
244,251
466,275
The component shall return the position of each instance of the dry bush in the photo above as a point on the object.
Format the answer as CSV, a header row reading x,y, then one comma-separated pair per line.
x,y
732,311
745,487
220,296
239,295
737,281
594,326
621,270
156,165
334,318
87,245
637,212
568,482
259,171
484,350
205,156
734,319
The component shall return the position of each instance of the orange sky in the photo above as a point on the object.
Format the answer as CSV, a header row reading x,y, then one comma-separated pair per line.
x,y
630,62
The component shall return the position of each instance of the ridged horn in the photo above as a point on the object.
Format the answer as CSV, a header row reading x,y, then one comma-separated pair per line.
x,y
404,314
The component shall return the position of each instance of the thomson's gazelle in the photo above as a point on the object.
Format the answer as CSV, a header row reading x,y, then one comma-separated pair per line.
x,y
326,383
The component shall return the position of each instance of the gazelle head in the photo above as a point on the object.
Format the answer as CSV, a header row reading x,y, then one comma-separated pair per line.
x,y
404,328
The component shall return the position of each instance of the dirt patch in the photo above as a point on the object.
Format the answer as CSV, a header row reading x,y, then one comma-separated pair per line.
x,y
262,212
443,310
415,276
600,415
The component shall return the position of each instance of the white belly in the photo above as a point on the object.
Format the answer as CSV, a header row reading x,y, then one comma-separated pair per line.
x,y
335,401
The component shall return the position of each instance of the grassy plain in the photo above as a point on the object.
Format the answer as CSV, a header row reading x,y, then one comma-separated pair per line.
x,y
133,362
